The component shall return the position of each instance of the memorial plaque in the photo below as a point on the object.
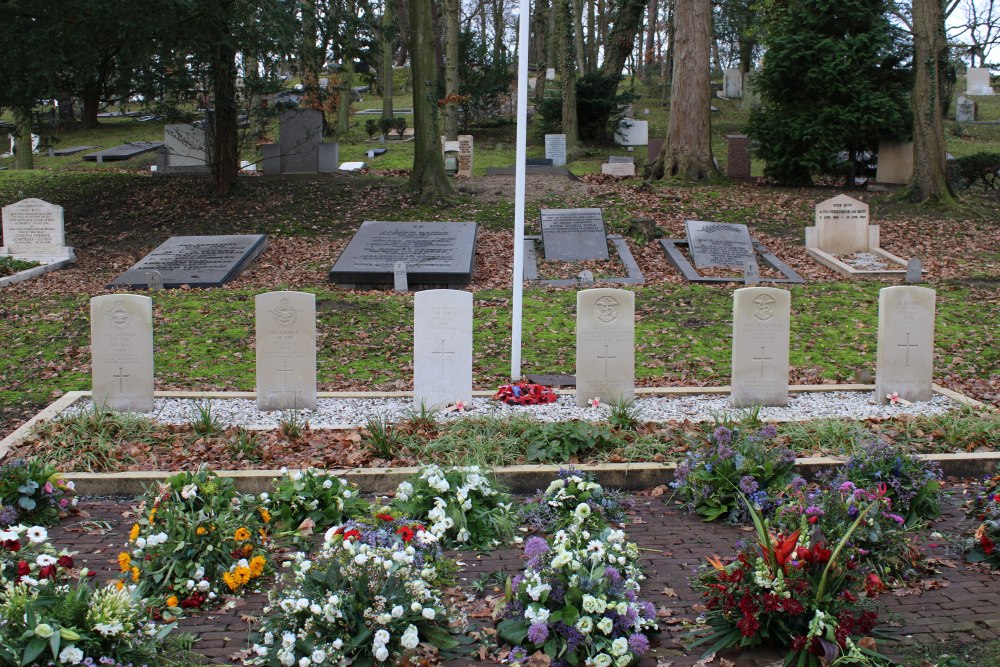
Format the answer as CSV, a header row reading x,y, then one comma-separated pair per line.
x,y
34,227
620,169
436,254
904,361
555,149
605,346
442,348
719,244
399,277
286,351
842,226
300,134
761,322
196,261
121,349
574,234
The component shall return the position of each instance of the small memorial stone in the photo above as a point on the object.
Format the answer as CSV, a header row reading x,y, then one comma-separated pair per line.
x,y
965,110
619,169
465,155
842,225
121,340
586,277
605,346
621,159
399,277
751,273
196,261
555,149
914,271
286,351
442,348
155,280
761,323
904,363
719,244
574,234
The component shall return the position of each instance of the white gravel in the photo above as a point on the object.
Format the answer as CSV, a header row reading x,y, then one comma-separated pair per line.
x,y
354,412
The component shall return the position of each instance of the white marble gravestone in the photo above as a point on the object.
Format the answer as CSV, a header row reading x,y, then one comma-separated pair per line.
x,y
33,230
977,81
842,225
732,84
965,110
286,351
121,349
632,132
605,346
905,359
761,323
442,348
184,146
555,149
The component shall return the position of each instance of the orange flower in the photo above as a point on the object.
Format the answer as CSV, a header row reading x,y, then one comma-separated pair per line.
x,y
124,560
241,534
715,562
247,550
257,564
172,601
134,533
135,574
265,515
230,581
119,585
152,515
201,530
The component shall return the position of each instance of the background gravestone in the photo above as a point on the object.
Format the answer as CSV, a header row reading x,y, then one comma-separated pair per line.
x,y
842,225
465,155
33,229
196,261
895,163
437,254
184,149
555,149
632,132
605,346
300,133
732,84
977,81
619,169
719,244
286,351
121,349
905,358
761,324
573,234
442,348
965,110
738,156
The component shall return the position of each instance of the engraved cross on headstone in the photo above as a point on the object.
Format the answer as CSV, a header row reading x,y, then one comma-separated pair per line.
x,y
284,370
121,377
605,358
907,345
442,353
762,359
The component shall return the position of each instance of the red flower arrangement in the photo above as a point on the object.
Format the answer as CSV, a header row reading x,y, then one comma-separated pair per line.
x,y
525,393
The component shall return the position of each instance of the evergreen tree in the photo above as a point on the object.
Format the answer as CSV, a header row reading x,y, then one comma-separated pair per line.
x,y
834,80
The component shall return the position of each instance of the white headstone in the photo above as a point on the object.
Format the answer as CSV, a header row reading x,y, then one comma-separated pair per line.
x,y
632,132
904,362
184,146
965,110
605,346
121,350
286,351
761,321
555,149
399,277
33,228
842,225
977,81
732,84
550,74
623,169
442,347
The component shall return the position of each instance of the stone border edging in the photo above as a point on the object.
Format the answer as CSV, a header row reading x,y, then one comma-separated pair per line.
x,y
35,271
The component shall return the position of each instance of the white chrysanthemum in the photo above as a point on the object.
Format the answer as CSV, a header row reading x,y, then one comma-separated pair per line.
x,y
37,534
71,655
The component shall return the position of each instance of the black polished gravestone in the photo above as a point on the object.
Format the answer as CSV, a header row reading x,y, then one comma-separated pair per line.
x,y
574,234
196,261
436,254
123,152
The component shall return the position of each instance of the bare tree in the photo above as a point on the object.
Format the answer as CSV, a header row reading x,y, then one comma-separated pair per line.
x,y
980,28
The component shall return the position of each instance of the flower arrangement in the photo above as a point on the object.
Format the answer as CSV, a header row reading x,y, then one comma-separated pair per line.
x,y
984,508
912,483
27,556
462,507
574,497
196,540
33,492
578,601
525,393
712,476
368,598
792,591
312,496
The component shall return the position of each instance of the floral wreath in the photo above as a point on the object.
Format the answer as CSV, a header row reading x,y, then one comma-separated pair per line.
x,y
525,393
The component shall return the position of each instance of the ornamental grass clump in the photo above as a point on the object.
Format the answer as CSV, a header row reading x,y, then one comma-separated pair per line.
x,y
367,598
711,478
197,539
984,509
577,601
462,507
313,498
574,497
33,492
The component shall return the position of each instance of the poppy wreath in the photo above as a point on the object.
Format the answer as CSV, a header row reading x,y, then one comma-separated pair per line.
x,y
525,393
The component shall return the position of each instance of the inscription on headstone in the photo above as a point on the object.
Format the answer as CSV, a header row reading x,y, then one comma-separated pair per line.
x,y
465,155
605,346
555,149
155,280
34,228
121,348
761,322
197,261
842,225
399,277
442,348
719,244
914,271
904,362
573,234
286,351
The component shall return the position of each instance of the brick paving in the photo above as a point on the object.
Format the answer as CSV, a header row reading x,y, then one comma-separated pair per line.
x,y
967,609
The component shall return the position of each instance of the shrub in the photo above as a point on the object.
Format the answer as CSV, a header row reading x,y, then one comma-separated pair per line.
x,y
575,498
312,496
980,168
560,441
711,477
600,107
32,492
486,81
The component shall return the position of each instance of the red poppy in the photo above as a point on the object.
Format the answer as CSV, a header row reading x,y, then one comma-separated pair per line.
x,y
65,561
13,545
406,533
384,517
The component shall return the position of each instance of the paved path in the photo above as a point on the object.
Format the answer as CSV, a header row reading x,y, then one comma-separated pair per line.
x,y
967,608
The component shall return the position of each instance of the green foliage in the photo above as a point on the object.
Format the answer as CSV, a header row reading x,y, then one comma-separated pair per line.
x,y
311,495
293,424
32,492
95,439
833,81
624,414
203,420
600,105
485,81
9,266
981,169
574,498
381,436
560,441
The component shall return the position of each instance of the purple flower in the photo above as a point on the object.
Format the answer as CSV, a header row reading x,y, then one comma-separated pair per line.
x,y
846,487
898,519
769,431
518,654
538,633
48,487
535,546
797,482
648,610
722,436
637,643
852,512
612,574
748,484
8,515
812,509
786,456
725,452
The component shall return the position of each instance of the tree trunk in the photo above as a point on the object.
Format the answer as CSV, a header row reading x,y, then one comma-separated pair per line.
x,y
499,50
428,180
567,75
308,56
225,158
621,42
687,152
452,14
581,55
23,158
346,95
592,45
543,14
388,32
649,60
91,106
930,58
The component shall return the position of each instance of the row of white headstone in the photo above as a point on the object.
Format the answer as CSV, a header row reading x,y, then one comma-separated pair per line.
x,y
122,347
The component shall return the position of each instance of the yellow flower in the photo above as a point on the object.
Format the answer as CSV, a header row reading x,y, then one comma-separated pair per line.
x,y
135,574
230,581
257,564
124,560
202,530
241,534
172,601
241,574
134,533
152,515
119,585
265,515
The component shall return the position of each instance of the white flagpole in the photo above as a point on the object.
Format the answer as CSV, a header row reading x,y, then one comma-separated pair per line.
x,y
522,149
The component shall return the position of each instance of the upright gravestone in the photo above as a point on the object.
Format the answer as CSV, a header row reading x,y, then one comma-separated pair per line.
x,y
751,96
761,322
555,149
399,282
300,133
442,348
842,225
977,81
196,261
573,234
720,244
465,155
619,169
732,84
605,346
895,162
33,230
632,132
286,351
965,110
914,271
904,363
184,149
121,350
738,156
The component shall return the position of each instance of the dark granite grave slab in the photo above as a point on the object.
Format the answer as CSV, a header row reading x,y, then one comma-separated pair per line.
x,y
538,162
553,380
574,234
124,152
673,249
531,171
634,275
437,254
718,244
70,151
197,261
300,134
